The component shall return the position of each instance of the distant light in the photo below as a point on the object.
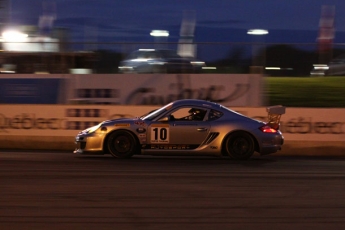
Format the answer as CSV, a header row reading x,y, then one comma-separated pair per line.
x,y
273,68
321,67
257,32
7,71
209,67
277,68
14,36
159,33
146,49
197,63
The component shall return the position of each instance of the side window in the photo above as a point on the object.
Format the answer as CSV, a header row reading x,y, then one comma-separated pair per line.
x,y
214,115
188,114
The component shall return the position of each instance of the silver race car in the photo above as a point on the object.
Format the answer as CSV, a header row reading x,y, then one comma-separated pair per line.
x,y
185,127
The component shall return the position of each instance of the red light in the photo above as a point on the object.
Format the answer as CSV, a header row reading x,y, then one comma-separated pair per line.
x,y
267,129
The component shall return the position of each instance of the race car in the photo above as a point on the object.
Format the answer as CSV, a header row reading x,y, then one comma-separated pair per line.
x,y
185,127
159,61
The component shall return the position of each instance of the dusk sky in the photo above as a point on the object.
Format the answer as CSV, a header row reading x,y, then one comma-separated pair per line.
x,y
295,21
131,18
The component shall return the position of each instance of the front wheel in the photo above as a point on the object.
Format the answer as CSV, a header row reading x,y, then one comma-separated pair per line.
x,y
239,145
122,144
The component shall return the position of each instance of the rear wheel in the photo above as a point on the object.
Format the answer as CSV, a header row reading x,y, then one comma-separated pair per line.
x,y
122,144
239,145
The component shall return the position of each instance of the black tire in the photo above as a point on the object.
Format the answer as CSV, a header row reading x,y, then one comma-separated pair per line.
x,y
122,144
239,145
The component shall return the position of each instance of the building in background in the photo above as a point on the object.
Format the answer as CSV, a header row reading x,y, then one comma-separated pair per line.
x,y
40,48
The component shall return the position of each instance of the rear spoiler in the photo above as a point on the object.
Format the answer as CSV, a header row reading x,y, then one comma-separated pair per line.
x,y
274,115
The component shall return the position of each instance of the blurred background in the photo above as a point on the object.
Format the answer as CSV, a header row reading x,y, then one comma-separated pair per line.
x,y
275,38
298,46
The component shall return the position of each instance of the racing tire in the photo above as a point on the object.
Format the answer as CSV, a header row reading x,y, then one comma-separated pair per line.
x,y
239,146
122,144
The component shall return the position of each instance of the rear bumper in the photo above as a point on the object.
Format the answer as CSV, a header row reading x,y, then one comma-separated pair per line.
x,y
272,147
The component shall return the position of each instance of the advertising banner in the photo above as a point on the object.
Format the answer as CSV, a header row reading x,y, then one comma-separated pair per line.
x,y
160,89
298,124
31,89
130,89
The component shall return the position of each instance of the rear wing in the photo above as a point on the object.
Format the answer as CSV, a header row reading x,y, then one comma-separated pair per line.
x,y
274,115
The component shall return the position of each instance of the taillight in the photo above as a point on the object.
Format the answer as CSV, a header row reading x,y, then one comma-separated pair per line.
x,y
268,129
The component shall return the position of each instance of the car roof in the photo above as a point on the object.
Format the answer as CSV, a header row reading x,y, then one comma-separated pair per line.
x,y
196,102
205,104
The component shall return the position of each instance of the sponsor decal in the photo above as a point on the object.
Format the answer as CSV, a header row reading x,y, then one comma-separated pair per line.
x,y
140,123
148,96
141,130
171,147
30,121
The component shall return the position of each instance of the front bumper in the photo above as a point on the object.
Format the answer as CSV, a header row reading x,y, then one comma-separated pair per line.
x,y
88,144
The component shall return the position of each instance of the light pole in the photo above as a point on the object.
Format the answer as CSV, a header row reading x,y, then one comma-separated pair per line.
x,y
258,61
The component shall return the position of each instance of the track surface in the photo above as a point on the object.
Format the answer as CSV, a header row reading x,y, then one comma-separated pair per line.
x,y
47,190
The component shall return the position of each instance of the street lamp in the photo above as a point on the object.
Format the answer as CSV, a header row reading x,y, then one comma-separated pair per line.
x,y
160,36
14,36
258,62
159,33
257,32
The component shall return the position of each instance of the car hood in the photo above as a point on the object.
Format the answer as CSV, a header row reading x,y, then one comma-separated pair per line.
x,y
121,121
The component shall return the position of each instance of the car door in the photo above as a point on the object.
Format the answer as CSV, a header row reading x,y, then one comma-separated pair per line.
x,y
180,130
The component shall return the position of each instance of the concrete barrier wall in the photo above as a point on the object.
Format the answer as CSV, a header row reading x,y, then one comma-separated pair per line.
x,y
160,89
131,89
307,131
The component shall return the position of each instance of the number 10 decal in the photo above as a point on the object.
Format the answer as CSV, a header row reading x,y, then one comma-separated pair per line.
x,y
159,134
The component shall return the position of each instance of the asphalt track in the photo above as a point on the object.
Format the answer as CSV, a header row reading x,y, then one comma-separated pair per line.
x,y
59,190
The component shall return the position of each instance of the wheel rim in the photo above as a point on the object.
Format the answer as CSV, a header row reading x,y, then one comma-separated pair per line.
x,y
122,144
240,146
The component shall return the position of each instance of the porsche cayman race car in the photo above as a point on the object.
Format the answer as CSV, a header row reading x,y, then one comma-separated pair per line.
x,y
185,127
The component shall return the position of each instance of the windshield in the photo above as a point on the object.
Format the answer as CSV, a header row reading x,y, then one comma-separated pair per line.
x,y
155,113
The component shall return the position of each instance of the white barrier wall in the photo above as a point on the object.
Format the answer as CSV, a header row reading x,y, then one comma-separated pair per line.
x,y
54,126
130,89
160,89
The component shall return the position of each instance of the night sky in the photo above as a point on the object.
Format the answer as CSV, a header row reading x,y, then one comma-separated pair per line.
x,y
288,21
